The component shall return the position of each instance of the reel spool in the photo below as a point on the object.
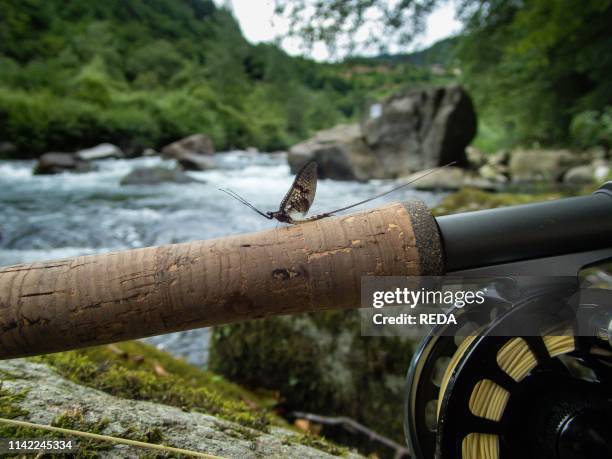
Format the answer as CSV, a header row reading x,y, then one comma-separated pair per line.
x,y
488,396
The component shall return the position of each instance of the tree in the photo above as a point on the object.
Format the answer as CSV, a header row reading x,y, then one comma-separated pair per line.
x,y
354,25
535,65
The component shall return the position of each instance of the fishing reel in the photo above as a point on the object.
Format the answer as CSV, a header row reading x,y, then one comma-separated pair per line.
x,y
481,390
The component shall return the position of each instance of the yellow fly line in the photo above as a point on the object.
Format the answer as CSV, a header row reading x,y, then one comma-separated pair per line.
x,y
107,438
488,399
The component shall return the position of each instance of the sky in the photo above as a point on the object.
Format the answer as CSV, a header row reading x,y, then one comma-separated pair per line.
x,y
255,17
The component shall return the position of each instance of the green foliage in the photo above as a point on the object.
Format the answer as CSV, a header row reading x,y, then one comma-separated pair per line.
x,y
491,136
76,73
592,128
533,66
153,63
92,83
35,121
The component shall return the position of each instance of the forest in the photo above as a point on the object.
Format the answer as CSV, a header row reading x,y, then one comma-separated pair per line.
x,y
145,73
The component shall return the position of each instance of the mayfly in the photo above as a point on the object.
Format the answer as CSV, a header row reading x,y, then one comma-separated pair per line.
x,y
296,203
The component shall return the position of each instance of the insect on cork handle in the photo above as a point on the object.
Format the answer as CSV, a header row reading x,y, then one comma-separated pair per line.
x,y
97,299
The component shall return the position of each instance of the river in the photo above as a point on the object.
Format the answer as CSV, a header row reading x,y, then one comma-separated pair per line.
x,y
64,215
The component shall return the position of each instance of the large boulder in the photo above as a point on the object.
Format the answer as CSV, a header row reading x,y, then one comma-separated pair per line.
x,y
541,165
155,176
406,133
35,392
192,153
421,129
101,151
55,163
340,153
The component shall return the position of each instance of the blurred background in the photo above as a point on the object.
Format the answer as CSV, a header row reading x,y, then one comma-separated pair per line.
x,y
119,121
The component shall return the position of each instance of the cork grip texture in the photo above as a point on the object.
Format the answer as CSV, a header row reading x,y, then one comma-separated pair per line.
x,y
59,305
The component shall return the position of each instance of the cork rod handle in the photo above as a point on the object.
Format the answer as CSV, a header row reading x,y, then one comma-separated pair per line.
x,y
97,299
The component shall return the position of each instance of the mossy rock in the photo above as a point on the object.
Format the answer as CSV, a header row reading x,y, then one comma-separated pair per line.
x,y
37,393
320,363
138,371
470,199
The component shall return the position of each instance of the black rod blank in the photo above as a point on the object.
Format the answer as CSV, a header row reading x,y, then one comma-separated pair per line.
x,y
504,235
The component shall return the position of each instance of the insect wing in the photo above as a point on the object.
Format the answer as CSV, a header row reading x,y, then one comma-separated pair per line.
x,y
301,195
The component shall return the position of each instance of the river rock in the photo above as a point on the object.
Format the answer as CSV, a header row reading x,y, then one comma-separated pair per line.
x,y
475,157
421,129
7,148
493,173
49,396
500,157
55,163
449,178
102,151
340,153
541,165
495,167
149,152
191,152
196,162
597,171
155,176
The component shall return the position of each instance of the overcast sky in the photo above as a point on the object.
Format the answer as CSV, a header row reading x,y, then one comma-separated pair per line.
x,y
255,17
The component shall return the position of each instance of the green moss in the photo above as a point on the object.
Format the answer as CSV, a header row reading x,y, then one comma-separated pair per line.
x,y
138,371
237,431
7,375
10,408
9,404
75,420
469,199
152,435
317,442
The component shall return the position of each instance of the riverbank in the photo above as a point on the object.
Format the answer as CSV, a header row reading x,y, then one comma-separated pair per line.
x,y
133,391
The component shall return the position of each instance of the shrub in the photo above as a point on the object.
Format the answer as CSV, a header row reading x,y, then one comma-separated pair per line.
x,y
590,128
